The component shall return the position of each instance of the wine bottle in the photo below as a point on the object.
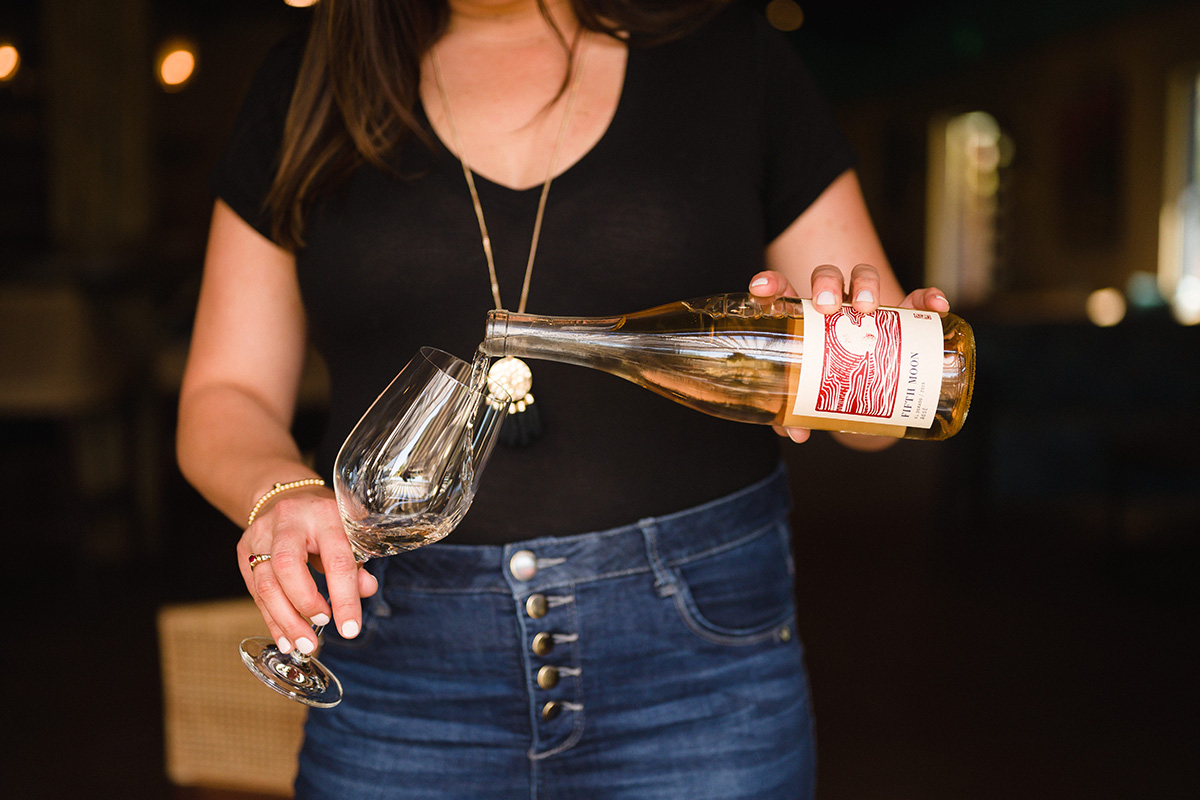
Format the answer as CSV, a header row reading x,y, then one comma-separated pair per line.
x,y
895,372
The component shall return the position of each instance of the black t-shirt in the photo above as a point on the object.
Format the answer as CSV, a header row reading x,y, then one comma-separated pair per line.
x,y
720,140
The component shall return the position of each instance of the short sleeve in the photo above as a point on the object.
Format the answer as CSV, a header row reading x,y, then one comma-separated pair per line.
x,y
805,147
244,173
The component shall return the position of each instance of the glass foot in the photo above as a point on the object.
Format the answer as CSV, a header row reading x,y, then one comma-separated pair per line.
x,y
300,677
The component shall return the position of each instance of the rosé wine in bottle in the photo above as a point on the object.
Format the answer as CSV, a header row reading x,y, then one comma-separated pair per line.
x,y
895,372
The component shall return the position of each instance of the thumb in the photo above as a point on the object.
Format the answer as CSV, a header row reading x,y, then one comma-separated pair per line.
x,y
769,284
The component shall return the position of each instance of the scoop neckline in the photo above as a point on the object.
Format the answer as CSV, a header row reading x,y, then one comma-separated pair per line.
x,y
563,174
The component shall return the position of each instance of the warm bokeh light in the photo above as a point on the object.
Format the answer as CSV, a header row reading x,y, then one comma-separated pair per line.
x,y
176,65
983,153
1186,303
300,3
785,15
1106,307
10,60
964,199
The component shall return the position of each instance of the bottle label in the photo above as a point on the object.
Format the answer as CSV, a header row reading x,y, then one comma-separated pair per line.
x,y
883,368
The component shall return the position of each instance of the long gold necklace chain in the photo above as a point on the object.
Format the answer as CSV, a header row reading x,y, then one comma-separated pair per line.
x,y
511,373
470,176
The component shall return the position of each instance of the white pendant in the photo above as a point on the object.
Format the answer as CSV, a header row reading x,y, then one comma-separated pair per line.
x,y
514,378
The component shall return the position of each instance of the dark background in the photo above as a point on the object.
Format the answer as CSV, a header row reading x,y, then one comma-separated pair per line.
x,y
1011,613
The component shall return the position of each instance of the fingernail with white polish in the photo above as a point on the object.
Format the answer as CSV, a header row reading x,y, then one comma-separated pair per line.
x,y
304,646
865,296
825,299
320,619
754,284
284,645
349,629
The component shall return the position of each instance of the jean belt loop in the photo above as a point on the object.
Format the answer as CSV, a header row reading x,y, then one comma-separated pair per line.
x,y
664,579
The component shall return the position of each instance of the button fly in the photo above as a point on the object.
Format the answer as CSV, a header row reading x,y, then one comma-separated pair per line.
x,y
551,710
543,643
536,606
523,565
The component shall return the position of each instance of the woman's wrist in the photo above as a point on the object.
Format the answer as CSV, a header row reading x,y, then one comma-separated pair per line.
x,y
278,489
260,484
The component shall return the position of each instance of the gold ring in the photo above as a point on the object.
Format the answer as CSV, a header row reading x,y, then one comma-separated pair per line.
x,y
258,558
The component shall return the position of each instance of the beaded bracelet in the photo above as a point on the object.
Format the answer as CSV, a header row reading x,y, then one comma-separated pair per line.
x,y
280,487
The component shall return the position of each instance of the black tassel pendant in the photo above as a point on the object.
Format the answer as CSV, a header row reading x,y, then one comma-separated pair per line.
x,y
523,425
521,428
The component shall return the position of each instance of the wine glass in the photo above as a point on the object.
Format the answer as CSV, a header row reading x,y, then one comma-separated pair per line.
x,y
404,477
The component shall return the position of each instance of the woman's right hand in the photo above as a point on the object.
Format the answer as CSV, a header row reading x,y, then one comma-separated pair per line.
x,y
299,528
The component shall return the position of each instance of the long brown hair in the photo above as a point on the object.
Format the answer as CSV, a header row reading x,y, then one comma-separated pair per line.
x,y
357,88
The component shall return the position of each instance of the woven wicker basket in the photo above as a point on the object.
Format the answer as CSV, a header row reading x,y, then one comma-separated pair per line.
x,y
224,729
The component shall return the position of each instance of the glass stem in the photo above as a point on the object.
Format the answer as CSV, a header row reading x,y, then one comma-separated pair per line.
x,y
300,658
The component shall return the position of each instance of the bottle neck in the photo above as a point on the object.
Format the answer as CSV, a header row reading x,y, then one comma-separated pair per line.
x,y
572,340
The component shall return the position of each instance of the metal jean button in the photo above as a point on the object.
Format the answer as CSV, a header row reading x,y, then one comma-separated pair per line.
x,y
536,606
551,710
547,677
523,565
543,643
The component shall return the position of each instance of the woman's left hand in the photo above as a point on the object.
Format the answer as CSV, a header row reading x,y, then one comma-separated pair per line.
x,y
829,292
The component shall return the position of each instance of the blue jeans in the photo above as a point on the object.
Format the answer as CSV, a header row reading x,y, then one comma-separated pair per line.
x,y
654,661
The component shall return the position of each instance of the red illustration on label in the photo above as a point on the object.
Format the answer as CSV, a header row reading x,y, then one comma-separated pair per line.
x,y
861,373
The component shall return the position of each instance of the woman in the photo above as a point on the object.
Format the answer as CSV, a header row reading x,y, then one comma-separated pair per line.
x,y
614,616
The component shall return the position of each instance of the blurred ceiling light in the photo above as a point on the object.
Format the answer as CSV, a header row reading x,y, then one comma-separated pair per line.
x,y
1186,303
10,60
785,15
176,65
1105,307
300,3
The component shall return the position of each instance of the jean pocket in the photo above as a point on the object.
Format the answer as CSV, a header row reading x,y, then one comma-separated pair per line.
x,y
742,595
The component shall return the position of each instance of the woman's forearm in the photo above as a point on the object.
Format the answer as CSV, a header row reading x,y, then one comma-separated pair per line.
x,y
233,449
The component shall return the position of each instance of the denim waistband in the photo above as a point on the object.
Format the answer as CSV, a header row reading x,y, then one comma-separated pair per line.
x,y
651,544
